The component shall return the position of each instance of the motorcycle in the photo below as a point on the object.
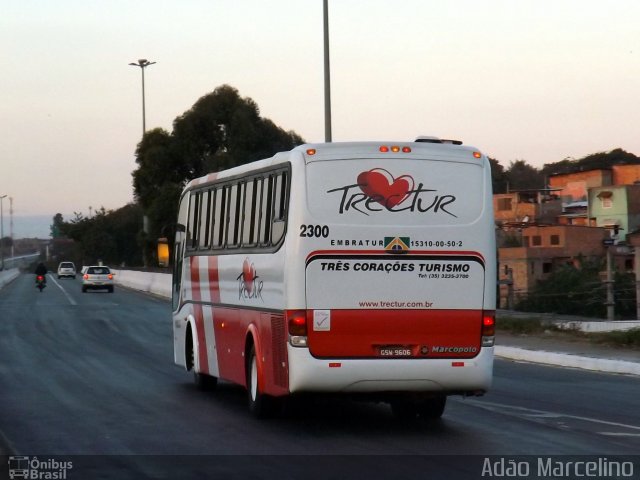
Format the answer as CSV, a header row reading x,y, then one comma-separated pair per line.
x,y
41,282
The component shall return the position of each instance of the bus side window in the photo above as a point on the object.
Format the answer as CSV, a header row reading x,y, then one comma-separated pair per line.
x,y
220,217
279,208
194,219
235,215
212,216
248,230
205,220
257,210
266,211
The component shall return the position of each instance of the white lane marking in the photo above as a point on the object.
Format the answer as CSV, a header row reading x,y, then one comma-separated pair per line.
x,y
620,434
529,412
66,294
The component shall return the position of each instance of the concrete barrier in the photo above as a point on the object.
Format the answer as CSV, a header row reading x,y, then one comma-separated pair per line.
x,y
156,283
7,276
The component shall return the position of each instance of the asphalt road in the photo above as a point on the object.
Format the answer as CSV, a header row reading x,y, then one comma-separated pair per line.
x,y
92,374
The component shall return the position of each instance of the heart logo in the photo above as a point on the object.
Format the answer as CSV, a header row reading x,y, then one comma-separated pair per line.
x,y
248,275
379,185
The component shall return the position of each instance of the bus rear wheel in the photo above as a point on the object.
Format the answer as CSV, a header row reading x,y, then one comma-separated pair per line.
x,y
260,405
205,382
425,408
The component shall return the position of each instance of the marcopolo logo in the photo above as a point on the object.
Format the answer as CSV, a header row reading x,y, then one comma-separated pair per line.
x,y
378,190
38,469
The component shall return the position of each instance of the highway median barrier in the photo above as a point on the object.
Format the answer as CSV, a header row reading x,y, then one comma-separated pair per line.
x,y
7,276
148,282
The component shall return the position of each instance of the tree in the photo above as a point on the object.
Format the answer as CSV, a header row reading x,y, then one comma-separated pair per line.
x,y
498,177
58,220
569,290
221,130
109,236
593,161
522,176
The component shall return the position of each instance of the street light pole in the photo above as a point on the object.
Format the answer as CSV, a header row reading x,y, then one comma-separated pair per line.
x,y
327,74
1,234
143,63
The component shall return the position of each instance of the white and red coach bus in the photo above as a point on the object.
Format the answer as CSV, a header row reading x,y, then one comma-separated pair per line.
x,y
357,268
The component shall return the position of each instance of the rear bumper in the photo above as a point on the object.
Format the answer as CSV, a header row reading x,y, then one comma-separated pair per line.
x,y
97,286
447,376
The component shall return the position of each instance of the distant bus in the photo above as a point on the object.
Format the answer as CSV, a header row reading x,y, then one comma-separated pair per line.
x,y
364,268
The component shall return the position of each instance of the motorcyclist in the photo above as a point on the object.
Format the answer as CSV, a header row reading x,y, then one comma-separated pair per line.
x,y
41,269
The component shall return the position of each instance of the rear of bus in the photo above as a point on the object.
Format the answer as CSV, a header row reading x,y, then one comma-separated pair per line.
x,y
397,250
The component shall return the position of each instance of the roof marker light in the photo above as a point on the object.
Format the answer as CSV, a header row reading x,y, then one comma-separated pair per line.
x,y
311,151
477,155
395,149
406,149
384,149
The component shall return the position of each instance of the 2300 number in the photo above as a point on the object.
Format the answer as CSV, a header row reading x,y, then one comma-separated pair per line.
x,y
317,231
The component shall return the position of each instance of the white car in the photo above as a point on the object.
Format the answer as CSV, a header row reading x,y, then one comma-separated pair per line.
x,y
97,277
66,269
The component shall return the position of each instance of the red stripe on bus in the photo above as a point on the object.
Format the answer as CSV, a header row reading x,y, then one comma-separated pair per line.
x,y
199,318
384,253
214,279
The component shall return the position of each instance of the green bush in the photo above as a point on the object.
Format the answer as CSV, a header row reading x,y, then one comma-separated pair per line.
x,y
580,291
628,338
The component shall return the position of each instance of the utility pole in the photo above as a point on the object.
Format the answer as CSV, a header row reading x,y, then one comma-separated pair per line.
x,y
610,303
13,254
636,270
1,234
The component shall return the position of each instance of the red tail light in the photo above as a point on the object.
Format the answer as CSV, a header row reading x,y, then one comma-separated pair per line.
x,y
85,276
297,322
40,278
488,323
110,276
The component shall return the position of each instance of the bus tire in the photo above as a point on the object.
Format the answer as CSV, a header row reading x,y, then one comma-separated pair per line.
x,y
260,405
205,382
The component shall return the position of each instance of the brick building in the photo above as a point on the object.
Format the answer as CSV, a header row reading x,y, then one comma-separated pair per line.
x,y
569,221
536,206
543,249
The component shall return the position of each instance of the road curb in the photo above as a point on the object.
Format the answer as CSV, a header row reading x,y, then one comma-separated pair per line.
x,y
568,360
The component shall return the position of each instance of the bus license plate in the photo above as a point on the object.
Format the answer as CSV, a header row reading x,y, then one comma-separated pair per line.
x,y
395,351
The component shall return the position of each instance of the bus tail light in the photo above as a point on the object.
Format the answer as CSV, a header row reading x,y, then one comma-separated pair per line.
x,y
488,328
297,324
394,149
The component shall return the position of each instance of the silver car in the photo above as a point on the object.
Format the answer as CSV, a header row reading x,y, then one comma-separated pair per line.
x,y
97,277
66,269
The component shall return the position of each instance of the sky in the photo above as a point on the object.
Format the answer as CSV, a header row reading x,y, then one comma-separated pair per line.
x,y
538,81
